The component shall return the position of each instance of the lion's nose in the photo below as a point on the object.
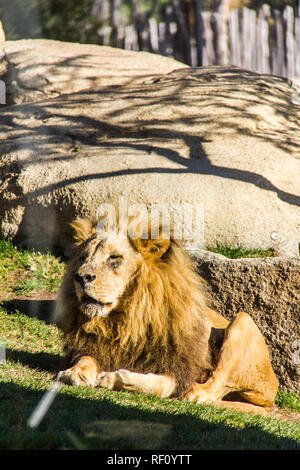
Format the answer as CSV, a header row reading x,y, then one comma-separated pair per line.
x,y
84,279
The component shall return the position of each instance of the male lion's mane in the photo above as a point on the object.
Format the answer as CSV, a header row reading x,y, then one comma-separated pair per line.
x,y
161,328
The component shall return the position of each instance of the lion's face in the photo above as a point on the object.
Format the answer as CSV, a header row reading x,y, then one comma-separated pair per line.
x,y
104,269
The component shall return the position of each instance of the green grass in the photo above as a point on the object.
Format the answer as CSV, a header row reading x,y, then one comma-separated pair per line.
x,y
86,418
240,252
288,400
23,272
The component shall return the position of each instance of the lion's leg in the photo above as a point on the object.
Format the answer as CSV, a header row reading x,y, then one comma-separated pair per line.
x,y
240,406
159,385
84,372
243,366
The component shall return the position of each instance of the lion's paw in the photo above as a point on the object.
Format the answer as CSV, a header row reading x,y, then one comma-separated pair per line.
x,y
118,380
198,395
109,380
127,378
76,376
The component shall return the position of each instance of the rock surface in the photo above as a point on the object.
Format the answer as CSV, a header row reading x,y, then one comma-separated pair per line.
x,y
92,123
41,68
267,289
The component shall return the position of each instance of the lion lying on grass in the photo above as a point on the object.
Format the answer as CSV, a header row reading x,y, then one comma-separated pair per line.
x,y
134,318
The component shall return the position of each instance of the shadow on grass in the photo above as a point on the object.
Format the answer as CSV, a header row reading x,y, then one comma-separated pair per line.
x,y
74,422
42,361
41,309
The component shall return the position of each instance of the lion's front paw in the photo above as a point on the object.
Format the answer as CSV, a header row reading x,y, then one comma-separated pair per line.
x,y
76,376
198,395
70,377
110,380
119,380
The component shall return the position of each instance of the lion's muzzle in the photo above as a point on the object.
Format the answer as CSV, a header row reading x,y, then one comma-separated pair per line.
x,y
90,305
84,279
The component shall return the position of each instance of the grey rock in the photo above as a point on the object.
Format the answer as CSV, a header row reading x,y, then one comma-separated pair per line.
x,y
268,289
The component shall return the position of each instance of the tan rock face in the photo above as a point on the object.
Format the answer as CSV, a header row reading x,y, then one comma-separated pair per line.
x,y
225,138
267,289
40,69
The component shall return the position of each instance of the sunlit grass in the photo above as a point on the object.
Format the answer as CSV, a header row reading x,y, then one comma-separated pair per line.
x,y
240,252
23,272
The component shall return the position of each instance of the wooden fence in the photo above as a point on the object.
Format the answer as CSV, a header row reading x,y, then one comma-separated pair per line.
x,y
266,40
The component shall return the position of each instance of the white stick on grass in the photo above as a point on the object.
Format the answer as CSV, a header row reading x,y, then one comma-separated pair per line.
x,y
2,353
46,401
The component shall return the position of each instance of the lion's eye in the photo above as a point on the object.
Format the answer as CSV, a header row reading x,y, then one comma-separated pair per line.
x,y
115,260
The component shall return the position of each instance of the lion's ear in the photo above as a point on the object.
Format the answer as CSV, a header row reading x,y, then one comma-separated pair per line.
x,y
83,229
152,248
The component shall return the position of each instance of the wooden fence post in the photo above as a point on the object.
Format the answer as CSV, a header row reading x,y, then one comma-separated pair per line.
x,y
199,31
131,38
234,36
288,16
105,35
116,21
263,49
154,38
249,56
222,36
281,68
297,39
209,57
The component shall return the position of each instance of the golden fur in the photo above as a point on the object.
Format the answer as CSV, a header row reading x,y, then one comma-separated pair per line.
x,y
138,305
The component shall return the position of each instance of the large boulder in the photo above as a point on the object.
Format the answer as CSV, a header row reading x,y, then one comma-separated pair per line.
x,y
39,69
91,123
267,289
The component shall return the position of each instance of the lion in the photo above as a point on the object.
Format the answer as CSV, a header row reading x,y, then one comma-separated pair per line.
x,y
135,316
